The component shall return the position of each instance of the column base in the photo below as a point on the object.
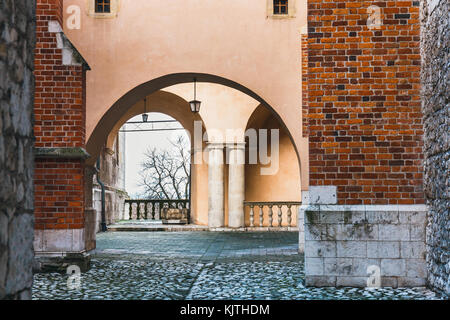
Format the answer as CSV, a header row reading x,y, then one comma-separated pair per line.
x,y
55,250
59,262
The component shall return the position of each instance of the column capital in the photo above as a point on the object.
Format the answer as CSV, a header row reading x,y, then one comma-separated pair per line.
x,y
215,145
236,145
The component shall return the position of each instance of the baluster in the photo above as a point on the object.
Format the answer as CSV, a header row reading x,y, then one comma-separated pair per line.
x,y
145,210
152,211
138,211
130,210
270,216
280,213
289,215
157,209
261,215
252,216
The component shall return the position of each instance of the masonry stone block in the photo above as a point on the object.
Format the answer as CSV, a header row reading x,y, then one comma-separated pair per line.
x,y
315,232
360,266
413,249
382,217
393,267
318,249
331,217
351,281
412,217
389,232
355,217
416,268
417,232
314,266
411,282
383,249
351,249
391,282
320,281
322,195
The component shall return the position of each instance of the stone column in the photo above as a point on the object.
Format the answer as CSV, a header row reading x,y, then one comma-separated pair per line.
x,y
236,185
215,186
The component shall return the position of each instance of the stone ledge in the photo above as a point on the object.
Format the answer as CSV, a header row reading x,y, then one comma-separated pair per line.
x,y
61,153
374,207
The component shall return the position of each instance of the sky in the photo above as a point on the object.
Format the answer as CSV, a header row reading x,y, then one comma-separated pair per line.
x,y
136,143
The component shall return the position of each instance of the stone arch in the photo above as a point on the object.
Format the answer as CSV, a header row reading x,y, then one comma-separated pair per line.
x,y
108,121
162,102
286,184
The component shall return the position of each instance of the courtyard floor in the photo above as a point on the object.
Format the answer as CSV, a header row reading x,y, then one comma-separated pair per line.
x,y
201,265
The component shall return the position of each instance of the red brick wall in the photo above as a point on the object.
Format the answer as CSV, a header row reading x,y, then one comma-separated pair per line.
x,y
365,119
305,126
59,101
59,196
59,123
50,8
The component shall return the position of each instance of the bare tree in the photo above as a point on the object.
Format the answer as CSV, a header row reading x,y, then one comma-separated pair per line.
x,y
166,174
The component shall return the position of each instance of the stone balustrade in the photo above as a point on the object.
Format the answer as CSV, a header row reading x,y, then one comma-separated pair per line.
x,y
145,209
270,214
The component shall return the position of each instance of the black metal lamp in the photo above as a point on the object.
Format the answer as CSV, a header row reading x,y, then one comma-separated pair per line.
x,y
195,104
145,115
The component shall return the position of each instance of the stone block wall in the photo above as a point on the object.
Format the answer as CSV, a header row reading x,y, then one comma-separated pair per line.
x,y
17,39
435,47
342,243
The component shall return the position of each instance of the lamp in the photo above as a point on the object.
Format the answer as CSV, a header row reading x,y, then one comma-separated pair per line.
x,y
195,104
145,115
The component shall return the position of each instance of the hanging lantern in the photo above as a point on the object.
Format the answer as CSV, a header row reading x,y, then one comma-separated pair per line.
x,y
145,115
195,104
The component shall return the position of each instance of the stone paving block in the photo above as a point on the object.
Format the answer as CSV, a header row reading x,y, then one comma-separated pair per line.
x,y
172,270
413,249
383,249
351,249
320,249
393,267
390,232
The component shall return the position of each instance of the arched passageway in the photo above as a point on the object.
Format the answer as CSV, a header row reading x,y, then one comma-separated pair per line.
x,y
219,191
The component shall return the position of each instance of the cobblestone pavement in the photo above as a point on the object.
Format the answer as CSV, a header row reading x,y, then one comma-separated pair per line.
x,y
201,265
